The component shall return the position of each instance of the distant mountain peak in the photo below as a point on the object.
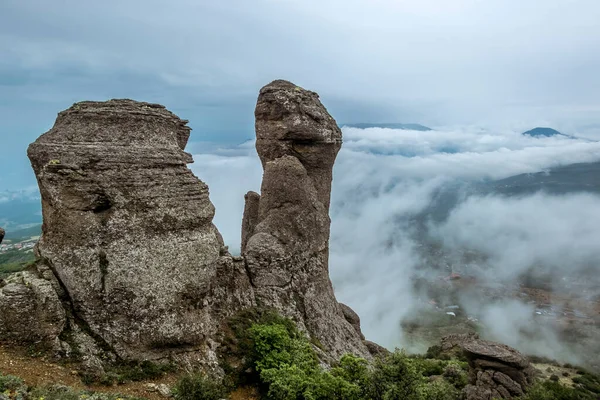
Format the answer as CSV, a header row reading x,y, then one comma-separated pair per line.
x,y
543,132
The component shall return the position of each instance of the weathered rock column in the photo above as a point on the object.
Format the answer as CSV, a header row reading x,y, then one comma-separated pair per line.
x,y
128,228
288,247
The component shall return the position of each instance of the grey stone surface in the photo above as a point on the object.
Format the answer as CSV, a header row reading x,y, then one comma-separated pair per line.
x,y
250,217
498,371
31,309
353,318
130,264
287,255
127,227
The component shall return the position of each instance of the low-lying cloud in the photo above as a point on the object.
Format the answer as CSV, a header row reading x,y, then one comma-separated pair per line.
x,y
386,181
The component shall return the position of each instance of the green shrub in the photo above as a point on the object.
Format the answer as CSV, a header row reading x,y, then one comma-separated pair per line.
x,y
550,391
287,368
198,387
588,382
584,389
394,377
10,383
455,372
438,390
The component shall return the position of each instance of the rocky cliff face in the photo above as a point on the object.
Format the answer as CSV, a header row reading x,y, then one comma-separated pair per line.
x,y
130,264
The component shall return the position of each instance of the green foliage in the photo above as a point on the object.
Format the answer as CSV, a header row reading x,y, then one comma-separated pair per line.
x,y
456,373
549,390
12,387
588,382
198,387
10,383
15,261
434,352
438,390
587,387
287,368
237,353
394,377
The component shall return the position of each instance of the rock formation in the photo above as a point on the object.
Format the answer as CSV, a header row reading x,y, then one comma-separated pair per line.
x,y
2,233
130,265
286,243
497,370
31,309
128,228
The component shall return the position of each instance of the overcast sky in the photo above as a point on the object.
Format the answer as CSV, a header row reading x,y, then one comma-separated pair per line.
x,y
492,63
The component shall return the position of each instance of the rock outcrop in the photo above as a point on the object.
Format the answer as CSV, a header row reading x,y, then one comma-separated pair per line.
x,y
31,309
2,233
128,228
497,370
130,265
287,248
250,218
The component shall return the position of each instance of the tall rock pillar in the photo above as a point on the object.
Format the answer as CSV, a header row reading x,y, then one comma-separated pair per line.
x,y
287,245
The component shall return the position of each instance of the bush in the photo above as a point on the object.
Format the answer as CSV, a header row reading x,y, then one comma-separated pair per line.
x,y
198,387
394,377
455,372
10,382
550,391
287,368
438,390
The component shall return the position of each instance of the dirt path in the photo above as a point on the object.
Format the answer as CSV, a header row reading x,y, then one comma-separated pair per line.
x,y
40,371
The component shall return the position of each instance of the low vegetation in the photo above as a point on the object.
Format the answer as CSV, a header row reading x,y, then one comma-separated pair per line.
x,y
12,387
281,360
198,387
268,352
130,372
14,261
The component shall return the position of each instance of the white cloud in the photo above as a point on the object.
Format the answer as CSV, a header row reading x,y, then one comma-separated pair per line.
x,y
377,193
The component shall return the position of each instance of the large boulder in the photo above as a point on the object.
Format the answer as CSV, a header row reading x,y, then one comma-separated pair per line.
x,y
31,309
497,370
287,247
128,228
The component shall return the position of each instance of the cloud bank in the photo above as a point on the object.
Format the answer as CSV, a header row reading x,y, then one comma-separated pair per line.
x,y
385,183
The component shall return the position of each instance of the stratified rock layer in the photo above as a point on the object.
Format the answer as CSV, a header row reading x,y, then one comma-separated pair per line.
x,y
128,228
288,248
